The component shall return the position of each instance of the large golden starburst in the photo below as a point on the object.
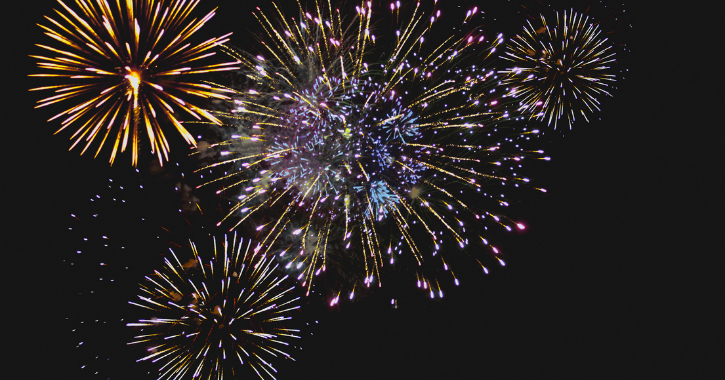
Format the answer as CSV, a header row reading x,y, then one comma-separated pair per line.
x,y
125,66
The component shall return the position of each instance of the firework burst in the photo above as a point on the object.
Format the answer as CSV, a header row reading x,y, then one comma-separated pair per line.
x,y
560,70
213,315
367,154
122,66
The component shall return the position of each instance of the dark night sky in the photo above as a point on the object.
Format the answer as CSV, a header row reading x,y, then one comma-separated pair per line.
x,y
612,279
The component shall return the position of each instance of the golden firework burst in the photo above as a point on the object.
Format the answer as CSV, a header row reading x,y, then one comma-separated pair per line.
x,y
123,66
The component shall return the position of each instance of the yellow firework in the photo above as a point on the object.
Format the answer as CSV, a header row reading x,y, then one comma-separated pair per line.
x,y
216,314
122,64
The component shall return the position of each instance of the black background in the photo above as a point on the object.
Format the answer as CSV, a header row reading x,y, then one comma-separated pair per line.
x,y
615,277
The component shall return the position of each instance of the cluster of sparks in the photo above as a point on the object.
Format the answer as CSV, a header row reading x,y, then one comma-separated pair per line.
x,y
346,152
214,315
560,70
350,157
121,65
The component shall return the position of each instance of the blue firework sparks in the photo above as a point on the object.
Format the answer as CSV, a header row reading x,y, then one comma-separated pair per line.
x,y
337,155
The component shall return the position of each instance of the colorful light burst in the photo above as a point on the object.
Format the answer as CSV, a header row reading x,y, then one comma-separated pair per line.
x,y
216,315
560,70
345,149
123,66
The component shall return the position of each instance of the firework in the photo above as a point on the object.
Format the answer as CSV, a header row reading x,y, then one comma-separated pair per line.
x,y
365,154
122,66
560,70
214,315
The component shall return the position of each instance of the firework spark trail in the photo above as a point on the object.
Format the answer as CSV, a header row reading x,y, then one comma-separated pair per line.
x,y
213,315
560,69
121,66
335,140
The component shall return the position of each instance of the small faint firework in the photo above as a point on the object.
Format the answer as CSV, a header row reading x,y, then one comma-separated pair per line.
x,y
347,150
215,316
559,70
123,66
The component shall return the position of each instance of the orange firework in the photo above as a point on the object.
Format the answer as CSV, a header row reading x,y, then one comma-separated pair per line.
x,y
123,66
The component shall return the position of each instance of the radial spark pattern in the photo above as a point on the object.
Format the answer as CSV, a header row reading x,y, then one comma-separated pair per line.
x,y
216,315
123,65
343,148
559,70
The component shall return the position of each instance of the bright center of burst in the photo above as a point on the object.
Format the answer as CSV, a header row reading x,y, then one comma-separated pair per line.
x,y
134,79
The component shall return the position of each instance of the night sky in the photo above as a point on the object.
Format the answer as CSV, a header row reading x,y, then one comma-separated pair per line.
x,y
611,279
